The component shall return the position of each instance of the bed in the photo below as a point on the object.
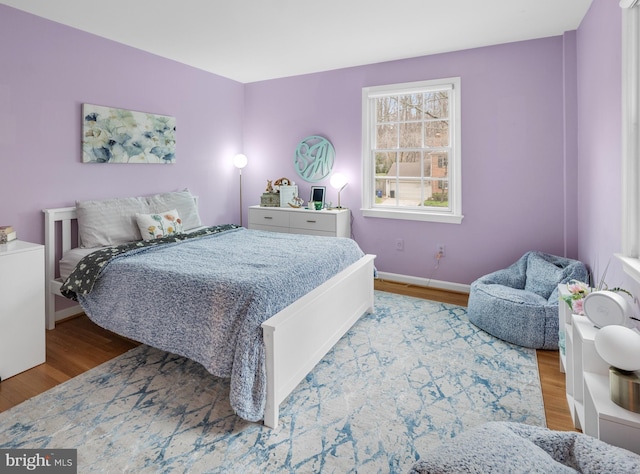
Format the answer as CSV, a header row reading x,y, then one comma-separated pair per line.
x,y
285,336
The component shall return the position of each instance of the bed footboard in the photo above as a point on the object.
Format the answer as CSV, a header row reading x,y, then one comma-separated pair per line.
x,y
299,336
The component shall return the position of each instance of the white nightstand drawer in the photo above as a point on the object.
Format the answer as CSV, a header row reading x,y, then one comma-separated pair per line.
x,y
265,216
314,220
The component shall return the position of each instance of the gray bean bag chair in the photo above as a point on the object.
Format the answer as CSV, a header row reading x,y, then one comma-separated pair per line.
x,y
520,304
501,447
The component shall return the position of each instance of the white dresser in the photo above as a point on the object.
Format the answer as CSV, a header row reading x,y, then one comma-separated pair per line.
x,y
587,385
332,223
22,325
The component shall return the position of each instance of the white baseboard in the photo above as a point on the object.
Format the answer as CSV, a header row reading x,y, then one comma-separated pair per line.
x,y
68,312
442,285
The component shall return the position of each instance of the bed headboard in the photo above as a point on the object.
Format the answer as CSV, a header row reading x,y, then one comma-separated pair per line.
x,y
58,238
61,235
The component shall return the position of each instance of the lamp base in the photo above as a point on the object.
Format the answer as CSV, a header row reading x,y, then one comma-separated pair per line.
x,y
624,388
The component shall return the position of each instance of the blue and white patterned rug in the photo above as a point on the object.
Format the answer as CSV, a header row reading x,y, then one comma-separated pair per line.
x,y
402,380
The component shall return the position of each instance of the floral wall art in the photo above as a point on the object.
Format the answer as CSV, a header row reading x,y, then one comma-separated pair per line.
x,y
111,135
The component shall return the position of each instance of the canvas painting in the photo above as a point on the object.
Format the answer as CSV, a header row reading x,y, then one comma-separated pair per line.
x,y
112,135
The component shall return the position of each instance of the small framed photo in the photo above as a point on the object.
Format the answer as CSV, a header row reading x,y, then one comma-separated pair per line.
x,y
317,194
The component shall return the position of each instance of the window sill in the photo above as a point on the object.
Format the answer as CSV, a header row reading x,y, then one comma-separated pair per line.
x,y
631,266
413,216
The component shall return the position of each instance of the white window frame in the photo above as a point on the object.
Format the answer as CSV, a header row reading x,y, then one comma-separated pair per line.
x,y
453,214
630,255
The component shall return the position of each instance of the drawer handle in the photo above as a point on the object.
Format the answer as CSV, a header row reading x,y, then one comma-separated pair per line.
x,y
311,222
268,217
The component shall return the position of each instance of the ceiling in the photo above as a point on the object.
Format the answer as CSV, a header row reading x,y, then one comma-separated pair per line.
x,y
253,40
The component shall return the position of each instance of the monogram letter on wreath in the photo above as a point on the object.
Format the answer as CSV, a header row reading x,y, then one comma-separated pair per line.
x,y
314,158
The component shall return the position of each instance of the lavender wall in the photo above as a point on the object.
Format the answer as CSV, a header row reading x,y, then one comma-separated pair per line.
x,y
516,196
48,70
512,164
600,140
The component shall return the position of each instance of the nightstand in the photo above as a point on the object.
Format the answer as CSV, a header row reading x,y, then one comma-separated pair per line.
x,y
22,322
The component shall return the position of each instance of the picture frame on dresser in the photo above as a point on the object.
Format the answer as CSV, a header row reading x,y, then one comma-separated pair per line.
x,y
317,194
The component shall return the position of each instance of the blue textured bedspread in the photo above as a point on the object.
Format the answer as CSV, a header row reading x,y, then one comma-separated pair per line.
x,y
205,298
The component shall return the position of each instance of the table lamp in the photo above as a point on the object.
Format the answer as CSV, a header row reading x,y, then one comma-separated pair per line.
x,y
619,346
338,181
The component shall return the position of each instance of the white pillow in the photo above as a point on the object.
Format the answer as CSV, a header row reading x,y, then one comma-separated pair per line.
x,y
109,221
182,201
162,224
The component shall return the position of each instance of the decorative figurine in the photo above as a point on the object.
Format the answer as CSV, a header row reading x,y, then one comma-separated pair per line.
x,y
296,202
270,198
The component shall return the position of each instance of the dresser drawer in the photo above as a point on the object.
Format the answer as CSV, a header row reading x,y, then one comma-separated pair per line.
x,y
332,223
313,221
267,217
270,228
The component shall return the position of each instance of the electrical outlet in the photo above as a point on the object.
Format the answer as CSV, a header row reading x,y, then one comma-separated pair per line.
x,y
399,244
440,250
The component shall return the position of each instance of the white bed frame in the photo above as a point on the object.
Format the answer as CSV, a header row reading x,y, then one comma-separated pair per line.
x,y
295,339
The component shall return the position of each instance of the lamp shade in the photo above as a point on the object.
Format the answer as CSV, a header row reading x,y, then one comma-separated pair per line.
x,y
240,161
619,346
338,181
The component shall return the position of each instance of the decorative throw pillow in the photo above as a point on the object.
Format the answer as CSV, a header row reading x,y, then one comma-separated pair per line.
x,y
182,201
154,226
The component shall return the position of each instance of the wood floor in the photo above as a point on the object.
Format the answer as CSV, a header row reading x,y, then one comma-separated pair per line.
x,y
77,345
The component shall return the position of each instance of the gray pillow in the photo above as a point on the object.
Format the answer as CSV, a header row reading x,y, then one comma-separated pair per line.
x,y
182,201
109,221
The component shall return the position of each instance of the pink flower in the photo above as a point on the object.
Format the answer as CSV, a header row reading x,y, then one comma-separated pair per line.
x,y
578,306
577,287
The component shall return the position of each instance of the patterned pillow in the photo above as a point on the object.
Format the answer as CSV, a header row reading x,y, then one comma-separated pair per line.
x,y
182,201
154,226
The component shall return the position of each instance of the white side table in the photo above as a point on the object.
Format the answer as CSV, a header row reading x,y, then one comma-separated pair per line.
x,y
587,377
22,321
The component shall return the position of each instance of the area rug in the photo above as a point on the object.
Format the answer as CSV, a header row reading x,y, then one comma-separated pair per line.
x,y
405,378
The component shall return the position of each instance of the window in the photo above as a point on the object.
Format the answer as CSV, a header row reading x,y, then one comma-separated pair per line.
x,y
630,138
411,151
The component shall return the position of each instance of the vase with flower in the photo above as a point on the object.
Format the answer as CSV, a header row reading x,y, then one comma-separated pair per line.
x,y
604,305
